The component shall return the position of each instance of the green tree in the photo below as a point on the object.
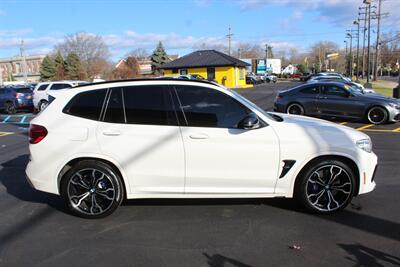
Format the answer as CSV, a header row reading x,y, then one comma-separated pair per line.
x,y
47,69
158,58
301,68
60,66
74,68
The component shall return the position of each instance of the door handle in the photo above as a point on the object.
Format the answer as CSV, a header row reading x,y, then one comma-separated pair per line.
x,y
112,133
198,136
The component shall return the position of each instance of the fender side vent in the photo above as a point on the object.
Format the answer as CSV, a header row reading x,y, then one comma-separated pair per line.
x,y
288,164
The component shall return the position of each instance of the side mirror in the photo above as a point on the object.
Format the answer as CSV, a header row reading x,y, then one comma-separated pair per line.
x,y
250,122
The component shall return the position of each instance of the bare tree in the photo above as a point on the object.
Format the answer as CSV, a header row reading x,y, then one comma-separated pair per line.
x,y
128,68
138,53
91,50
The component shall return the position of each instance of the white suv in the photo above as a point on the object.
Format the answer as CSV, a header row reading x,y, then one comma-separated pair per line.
x,y
42,90
100,143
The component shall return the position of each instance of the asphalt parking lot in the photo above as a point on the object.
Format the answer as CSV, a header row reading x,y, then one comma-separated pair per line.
x,y
36,229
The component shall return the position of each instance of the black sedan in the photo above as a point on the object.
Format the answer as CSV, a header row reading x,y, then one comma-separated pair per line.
x,y
337,100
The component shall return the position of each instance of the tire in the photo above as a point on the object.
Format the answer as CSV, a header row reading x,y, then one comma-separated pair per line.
x,y
268,80
92,189
10,108
42,105
325,187
377,115
295,108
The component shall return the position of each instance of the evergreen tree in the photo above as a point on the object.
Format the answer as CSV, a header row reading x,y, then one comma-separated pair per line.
x,y
158,58
47,69
74,68
60,66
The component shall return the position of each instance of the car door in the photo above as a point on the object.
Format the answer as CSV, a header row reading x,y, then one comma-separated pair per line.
x,y
140,131
308,97
2,95
336,101
220,157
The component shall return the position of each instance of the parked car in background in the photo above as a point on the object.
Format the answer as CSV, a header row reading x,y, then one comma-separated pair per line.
x,y
15,98
337,100
191,77
335,74
160,138
40,93
305,77
296,75
252,78
270,78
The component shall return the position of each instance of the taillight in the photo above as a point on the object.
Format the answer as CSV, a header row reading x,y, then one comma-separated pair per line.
x,y
279,97
36,133
18,95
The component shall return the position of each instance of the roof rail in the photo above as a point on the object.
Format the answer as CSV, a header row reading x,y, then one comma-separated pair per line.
x,y
162,78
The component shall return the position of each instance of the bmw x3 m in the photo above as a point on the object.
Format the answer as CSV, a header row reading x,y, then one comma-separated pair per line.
x,y
98,144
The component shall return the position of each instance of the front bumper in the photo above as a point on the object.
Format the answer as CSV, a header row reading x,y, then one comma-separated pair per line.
x,y
368,167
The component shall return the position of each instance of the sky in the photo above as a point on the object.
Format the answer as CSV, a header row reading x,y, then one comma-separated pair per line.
x,y
182,25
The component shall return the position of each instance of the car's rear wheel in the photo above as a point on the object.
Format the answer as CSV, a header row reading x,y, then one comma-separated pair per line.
x,y
10,108
92,189
377,115
326,187
295,109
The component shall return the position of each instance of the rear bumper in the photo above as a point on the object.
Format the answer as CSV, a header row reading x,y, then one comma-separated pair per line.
x,y
38,178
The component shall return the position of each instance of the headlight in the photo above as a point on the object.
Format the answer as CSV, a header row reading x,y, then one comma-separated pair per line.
x,y
394,105
365,144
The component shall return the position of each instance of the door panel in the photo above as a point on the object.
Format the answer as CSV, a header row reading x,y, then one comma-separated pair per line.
x,y
308,97
335,101
230,160
149,146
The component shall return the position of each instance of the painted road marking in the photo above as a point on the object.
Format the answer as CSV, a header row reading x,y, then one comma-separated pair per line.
x,y
5,133
380,130
344,122
364,127
397,130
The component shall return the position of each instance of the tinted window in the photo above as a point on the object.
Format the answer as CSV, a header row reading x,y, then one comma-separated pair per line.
x,y
23,90
148,105
42,87
334,90
115,111
87,104
205,107
310,90
58,86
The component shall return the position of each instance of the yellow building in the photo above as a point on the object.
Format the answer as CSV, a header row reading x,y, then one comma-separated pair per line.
x,y
211,65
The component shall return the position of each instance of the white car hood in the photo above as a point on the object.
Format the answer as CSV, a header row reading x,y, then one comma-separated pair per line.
x,y
319,135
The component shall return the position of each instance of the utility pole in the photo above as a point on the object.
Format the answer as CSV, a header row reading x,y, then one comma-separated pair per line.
x,y
368,84
23,62
266,57
357,22
346,59
364,33
239,50
229,35
378,42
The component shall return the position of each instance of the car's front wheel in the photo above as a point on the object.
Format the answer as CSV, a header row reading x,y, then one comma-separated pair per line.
x,y
377,115
43,104
92,189
326,187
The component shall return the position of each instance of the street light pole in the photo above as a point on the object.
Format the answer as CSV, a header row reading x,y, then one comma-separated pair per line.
x,y
346,58
377,40
350,35
364,33
357,22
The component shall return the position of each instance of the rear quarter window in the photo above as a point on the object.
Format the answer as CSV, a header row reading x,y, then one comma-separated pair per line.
x,y
42,87
59,86
86,105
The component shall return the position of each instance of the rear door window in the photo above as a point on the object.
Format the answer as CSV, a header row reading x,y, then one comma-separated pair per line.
x,y
333,90
114,111
314,90
87,104
149,104
59,86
